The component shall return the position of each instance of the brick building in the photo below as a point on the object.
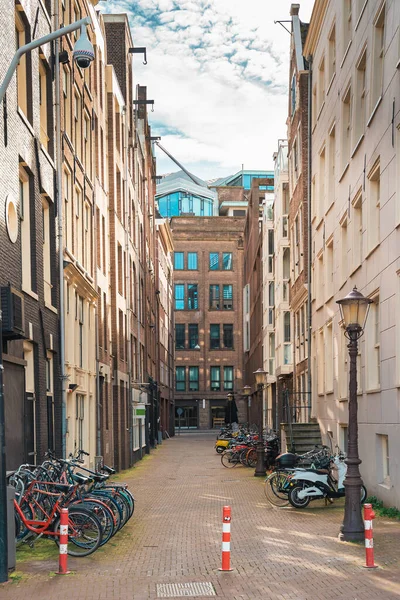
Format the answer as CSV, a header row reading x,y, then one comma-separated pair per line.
x,y
208,288
28,255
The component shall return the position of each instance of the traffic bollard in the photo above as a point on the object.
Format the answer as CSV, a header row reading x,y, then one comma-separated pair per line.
x,y
226,539
63,556
369,515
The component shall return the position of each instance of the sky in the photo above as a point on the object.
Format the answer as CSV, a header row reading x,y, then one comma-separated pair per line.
x,y
218,73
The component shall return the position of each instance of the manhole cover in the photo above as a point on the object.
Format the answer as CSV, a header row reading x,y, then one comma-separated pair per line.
x,y
179,590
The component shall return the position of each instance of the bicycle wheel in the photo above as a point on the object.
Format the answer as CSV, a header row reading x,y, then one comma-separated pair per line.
x,y
275,489
229,459
84,532
251,457
104,515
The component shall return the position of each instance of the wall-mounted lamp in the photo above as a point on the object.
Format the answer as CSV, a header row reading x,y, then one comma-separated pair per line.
x,y
141,50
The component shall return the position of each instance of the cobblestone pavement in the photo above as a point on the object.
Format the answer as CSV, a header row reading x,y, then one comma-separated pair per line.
x,y
175,537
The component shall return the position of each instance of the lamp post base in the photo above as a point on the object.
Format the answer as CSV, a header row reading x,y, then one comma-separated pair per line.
x,y
351,536
260,466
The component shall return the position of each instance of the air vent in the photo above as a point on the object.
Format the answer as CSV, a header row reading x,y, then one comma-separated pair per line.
x,y
12,307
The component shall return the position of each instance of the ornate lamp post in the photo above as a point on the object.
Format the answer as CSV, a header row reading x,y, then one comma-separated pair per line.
x,y
230,400
354,310
260,377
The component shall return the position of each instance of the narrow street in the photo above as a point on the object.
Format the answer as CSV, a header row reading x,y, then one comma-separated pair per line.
x,y
175,537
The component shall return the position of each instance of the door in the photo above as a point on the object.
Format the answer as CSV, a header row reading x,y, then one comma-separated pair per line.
x,y
188,419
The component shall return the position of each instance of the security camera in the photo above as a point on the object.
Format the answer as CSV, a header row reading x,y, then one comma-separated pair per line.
x,y
83,53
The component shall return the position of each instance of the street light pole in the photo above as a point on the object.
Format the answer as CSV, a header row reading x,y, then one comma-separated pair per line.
x,y
260,376
354,310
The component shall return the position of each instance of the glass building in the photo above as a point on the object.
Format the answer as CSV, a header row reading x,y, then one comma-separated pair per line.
x,y
177,194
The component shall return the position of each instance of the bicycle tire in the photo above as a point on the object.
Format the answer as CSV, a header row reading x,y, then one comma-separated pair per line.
x,y
103,513
251,457
84,532
229,459
273,489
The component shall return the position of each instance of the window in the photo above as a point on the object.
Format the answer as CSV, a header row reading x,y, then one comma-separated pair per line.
x,y
319,281
332,54
214,296
296,247
346,127
343,252
314,106
321,199
214,261
329,358
215,374
44,113
271,351
80,417
179,336
23,37
179,261
320,362
192,299
343,369
287,344
87,143
285,274
119,252
360,94
228,297
383,468
357,231
271,303
193,379
293,95
228,378
227,261
321,85
271,251
372,347
46,251
180,379
27,215
329,270
228,336
77,123
194,336
81,331
214,336
373,203
347,27
179,296
66,101
378,53
331,166
192,261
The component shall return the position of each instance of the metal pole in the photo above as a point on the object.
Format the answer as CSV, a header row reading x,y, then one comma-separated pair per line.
x,y
352,528
35,44
260,467
3,480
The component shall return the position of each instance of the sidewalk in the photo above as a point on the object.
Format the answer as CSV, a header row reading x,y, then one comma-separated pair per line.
x,y
175,537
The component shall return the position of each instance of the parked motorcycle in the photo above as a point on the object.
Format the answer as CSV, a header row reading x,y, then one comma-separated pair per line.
x,y
312,484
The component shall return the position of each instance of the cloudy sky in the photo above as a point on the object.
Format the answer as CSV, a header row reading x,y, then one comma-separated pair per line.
x,y
218,72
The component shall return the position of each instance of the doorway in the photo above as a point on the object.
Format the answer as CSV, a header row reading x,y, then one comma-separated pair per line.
x,y
188,419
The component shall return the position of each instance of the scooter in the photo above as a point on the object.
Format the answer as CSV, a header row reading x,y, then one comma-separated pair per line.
x,y
312,484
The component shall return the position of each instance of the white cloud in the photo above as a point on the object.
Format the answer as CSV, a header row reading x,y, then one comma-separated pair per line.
x,y
218,71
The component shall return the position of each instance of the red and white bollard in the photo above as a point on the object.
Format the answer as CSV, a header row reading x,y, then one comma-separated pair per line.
x,y
63,556
369,515
226,539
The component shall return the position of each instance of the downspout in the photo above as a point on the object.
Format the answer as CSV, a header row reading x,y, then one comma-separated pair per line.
x,y
309,213
60,238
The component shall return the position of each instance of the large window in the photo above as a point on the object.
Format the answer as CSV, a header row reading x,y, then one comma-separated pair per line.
x,y
378,53
192,299
228,378
23,93
179,296
228,297
346,127
180,379
180,336
214,337
227,261
215,376
373,203
287,344
193,379
194,336
179,261
228,336
214,296
192,261
359,100
214,261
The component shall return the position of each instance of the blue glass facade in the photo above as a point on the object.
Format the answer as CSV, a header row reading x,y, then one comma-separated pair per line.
x,y
172,205
244,180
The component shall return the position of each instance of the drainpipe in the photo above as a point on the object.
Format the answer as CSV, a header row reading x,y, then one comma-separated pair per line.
x,y
309,213
61,315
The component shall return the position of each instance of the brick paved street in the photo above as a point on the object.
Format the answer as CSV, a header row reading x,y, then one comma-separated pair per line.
x,y
175,537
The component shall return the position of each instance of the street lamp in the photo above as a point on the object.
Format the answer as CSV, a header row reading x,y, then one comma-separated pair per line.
x,y
230,399
260,377
354,310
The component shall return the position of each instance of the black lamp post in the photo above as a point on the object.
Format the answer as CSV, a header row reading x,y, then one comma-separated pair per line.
x,y
230,400
260,376
247,394
354,310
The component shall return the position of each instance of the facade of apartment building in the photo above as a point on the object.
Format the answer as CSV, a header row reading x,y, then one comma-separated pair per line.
x,y
355,49
28,263
208,288
253,300
295,211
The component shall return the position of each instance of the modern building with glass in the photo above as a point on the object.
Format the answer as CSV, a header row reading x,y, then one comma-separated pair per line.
x,y
178,194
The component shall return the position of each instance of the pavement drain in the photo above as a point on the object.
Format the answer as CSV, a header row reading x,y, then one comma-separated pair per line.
x,y
179,590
